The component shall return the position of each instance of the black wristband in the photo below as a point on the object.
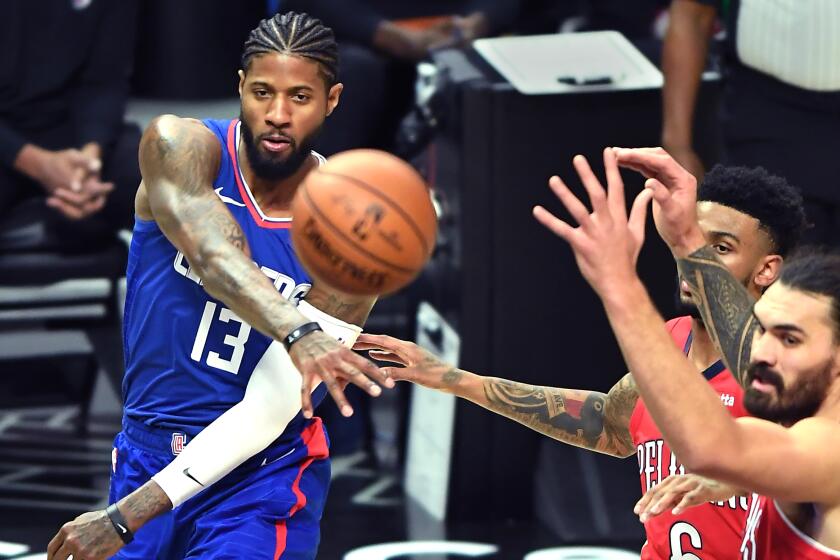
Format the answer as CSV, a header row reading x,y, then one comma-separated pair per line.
x,y
119,523
299,333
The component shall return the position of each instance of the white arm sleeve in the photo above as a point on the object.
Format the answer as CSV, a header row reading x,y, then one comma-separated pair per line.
x,y
271,401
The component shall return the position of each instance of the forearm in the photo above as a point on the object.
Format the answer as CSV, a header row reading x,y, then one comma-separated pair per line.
x,y
231,277
725,305
682,403
579,418
683,59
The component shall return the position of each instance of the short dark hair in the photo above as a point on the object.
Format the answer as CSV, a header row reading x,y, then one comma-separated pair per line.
x,y
295,34
768,198
817,271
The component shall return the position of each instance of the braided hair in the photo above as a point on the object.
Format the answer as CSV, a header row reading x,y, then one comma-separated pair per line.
x,y
295,34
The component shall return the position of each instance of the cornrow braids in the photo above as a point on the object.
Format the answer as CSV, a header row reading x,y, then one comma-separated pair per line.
x,y
295,34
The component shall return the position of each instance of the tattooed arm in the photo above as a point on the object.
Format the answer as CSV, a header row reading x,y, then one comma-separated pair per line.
x,y
588,419
242,431
724,304
179,159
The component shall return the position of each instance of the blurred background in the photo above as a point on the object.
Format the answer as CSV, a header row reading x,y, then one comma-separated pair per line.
x,y
487,110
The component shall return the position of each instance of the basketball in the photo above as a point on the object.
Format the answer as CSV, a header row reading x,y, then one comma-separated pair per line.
x,y
364,223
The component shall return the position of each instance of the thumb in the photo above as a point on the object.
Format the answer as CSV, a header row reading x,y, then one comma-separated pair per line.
x,y
660,192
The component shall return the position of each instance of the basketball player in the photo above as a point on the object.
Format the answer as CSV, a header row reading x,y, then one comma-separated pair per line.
x,y
212,287
751,219
786,345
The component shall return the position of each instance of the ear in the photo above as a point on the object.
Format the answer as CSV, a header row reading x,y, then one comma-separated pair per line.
x,y
241,82
332,97
767,271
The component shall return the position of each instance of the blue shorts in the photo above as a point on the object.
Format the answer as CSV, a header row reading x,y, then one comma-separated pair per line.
x,y
268,507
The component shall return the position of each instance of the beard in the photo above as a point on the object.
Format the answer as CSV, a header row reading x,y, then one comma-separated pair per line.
x,y
789,404
271,167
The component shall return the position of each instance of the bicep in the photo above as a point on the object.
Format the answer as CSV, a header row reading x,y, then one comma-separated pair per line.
x,y
796,464
179,160
619,404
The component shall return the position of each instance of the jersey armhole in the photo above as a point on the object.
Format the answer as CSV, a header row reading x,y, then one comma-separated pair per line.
x,y
144,225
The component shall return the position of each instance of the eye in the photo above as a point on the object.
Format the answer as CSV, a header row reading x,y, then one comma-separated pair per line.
x,y
721,248
300,97
261,93
789,340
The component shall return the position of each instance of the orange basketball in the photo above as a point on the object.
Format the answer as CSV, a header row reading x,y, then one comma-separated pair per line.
x,y
364,223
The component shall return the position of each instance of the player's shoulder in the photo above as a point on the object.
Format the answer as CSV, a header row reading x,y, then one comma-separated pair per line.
x,y
168,135
172,128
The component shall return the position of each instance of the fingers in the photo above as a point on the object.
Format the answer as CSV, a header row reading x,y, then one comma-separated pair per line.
x,y
55,544
660,192
558,226
334,389
72,196
383,356
615,186
378,342
638,215
575,207
306,398
593,187
75,212
691,499
360,380
369,369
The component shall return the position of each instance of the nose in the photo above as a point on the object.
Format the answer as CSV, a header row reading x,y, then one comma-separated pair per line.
x,y
279,113
764,349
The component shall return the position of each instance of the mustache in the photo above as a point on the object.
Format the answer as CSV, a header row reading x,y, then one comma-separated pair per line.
x,y
765,374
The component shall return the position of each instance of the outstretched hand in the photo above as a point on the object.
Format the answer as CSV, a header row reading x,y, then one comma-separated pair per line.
x,y
319,357
418,365
680,492
606,242
674,193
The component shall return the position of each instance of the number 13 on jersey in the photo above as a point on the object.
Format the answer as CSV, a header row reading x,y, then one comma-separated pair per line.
x,y
236,339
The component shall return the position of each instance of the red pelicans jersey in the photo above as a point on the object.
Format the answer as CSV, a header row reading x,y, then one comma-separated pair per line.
x,y
770,534
712,531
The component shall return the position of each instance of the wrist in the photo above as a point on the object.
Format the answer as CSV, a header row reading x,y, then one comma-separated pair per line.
x,y
623,296
143,505
688,243
299,332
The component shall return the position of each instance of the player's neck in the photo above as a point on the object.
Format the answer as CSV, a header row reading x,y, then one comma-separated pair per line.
x,y
702,352
274,197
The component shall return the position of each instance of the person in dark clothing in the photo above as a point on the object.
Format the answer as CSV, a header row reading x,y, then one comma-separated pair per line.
x,y
380,42
781,99
63,89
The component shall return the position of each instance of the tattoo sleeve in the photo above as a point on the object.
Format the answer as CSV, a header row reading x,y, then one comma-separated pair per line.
x,y
587,419
144,504
179,161
725,305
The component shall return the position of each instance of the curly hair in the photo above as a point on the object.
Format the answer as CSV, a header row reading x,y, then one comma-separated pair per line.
x,y
295,34
768,198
